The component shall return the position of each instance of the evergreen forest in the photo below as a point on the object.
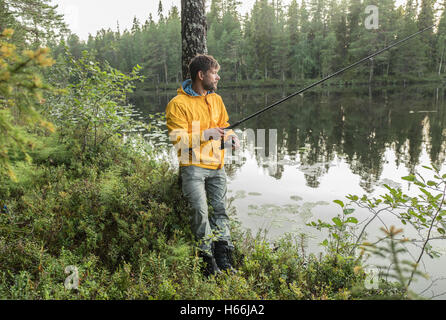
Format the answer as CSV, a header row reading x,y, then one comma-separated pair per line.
x,y
306,39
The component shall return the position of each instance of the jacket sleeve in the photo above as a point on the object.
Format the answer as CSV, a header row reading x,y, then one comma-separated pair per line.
x,y
181,133
224,120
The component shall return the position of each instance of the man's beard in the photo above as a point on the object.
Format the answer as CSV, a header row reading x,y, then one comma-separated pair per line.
x,y
209,86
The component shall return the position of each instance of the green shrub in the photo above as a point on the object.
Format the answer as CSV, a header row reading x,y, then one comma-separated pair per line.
x,y
121,220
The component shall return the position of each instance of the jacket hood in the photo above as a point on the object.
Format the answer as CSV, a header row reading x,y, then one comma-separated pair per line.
x,y
186,88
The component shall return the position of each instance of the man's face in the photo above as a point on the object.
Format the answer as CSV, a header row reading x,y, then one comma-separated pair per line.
x,y
210,79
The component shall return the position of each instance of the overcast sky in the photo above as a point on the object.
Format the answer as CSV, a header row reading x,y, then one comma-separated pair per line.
x,y
89,16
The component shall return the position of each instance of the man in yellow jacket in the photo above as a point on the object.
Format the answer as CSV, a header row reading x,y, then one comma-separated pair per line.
x,y
196,119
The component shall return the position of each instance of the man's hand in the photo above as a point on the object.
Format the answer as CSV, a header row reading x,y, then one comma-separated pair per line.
x,y
214,133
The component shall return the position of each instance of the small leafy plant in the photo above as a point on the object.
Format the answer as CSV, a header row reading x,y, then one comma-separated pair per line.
x,y
95,104
424,212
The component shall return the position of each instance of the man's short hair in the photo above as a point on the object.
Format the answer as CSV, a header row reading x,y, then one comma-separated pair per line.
x,y
202,62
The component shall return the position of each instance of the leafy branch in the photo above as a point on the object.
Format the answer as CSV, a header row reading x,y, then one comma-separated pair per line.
x,y
424,212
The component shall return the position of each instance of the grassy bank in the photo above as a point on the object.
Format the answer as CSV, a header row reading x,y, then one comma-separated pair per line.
x,y
118,216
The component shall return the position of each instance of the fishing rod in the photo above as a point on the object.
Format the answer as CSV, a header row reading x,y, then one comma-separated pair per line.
x,y
323,80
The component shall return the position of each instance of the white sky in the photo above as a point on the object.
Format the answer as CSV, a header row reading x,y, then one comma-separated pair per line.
x,y
89,16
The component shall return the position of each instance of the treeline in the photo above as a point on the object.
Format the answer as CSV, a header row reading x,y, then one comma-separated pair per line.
x,y
303,40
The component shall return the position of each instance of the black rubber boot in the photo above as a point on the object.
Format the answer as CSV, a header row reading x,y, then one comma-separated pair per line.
x,y
223,256
210,266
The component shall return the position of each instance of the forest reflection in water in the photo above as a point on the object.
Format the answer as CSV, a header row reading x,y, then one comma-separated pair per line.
x,y
331,142
357,125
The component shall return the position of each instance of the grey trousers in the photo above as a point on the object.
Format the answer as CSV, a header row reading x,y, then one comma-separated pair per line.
x,y
200,186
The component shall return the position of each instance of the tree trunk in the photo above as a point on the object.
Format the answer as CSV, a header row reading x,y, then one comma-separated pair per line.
x,y
441,61
372,64
165,72
193,32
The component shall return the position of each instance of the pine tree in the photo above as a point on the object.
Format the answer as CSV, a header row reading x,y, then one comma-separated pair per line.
x,y
152,53
441,42
340,27
261,37
33,21
215,13
160,12
163,44
330,38
293,40
307,61
247,65
366,42
215,28
75,46
136,26
426,19
230,40
279,38
173,31
408,59
387,34
355,11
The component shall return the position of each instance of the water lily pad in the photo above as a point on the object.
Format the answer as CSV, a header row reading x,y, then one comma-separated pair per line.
x,y
296,198
306,210
292,208
254,194
390,183
240,194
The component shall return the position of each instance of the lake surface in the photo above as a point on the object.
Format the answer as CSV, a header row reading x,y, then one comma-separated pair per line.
x,y
325,145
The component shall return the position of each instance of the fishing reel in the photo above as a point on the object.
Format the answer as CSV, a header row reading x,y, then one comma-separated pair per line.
x,y
230,143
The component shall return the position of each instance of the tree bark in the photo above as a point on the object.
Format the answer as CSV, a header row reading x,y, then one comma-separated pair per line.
x,y
193,32
165,72
372,64
441,61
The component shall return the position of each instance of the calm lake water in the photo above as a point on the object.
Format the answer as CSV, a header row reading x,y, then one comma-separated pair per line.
x,y
331,142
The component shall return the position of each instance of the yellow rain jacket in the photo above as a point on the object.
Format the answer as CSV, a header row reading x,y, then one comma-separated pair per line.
x,y
187,117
